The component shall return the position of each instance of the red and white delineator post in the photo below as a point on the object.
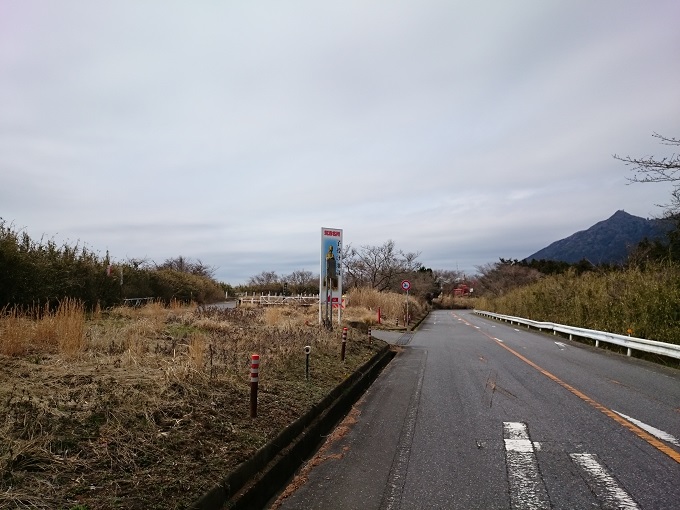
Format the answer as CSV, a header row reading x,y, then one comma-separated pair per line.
x,y
254,380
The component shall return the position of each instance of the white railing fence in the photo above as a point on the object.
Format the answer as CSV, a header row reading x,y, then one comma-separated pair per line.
x,y
278,299
630,343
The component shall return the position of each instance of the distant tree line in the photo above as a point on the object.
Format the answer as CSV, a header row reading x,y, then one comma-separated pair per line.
x,y
498,278
382,267
35,273
269,282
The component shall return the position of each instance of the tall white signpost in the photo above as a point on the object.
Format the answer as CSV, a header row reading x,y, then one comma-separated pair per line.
x,y
330,275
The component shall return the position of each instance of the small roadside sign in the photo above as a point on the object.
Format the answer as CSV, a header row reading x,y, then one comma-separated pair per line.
x,y
405,285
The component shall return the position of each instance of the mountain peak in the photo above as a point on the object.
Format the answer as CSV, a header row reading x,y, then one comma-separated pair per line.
x,y
606,242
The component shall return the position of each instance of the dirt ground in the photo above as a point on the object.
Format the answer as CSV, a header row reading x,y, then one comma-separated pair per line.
x,y
155,419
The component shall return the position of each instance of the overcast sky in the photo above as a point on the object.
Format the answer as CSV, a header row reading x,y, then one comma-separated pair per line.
x,y
232,131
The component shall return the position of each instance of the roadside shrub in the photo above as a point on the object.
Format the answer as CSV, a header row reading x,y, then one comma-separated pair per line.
x,y
37,274
645,300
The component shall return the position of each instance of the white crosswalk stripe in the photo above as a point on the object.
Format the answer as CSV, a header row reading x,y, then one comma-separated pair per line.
x,y
527,490
603,484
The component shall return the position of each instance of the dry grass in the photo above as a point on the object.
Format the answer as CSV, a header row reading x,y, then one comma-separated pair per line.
x,y
69,327
392,305
13,333
360,314
196,350
137,408
60,331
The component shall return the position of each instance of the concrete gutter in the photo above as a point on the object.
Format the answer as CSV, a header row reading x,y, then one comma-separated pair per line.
x,y
253,483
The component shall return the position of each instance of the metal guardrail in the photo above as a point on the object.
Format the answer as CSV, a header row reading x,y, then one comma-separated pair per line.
x,y
630,343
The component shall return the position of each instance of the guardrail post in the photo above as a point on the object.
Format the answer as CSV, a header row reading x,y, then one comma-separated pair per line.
x,y
370,339
344,344
254,380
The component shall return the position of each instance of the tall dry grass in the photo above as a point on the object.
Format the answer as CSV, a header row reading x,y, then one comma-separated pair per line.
x,y
392,305
12,333
290,316
644,300
455,302
69,327
62,330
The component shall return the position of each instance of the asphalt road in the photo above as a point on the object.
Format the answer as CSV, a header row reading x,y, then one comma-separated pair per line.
x,y
476,414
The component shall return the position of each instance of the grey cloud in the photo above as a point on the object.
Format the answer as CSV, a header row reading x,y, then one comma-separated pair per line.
x,y
237,130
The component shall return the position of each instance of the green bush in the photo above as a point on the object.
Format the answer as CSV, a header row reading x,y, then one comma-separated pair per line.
x,y
33,274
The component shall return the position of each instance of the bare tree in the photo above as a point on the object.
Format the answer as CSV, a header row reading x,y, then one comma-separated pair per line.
x,y
136,263
264,279
379,267
497,278
187,265
447,279
302,281
652,169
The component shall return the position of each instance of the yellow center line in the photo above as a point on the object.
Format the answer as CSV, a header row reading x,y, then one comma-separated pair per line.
x,y
642,434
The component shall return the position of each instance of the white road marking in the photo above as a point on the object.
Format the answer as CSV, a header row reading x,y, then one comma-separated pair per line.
x,y
527,490
561,345
603,485
516,330
664,436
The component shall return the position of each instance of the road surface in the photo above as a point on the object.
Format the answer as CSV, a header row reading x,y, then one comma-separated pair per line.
x,y
476,414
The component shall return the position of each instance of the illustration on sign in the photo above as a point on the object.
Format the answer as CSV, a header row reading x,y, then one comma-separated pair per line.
x,y
331,249
331,269
330,273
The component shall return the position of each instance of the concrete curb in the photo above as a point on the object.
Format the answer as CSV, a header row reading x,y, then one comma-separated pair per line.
x,y
253,483
419,320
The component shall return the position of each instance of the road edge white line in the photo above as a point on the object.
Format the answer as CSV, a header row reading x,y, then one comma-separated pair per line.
x,y
659,434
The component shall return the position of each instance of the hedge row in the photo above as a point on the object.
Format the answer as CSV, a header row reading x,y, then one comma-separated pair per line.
x,y
35,273
644,300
